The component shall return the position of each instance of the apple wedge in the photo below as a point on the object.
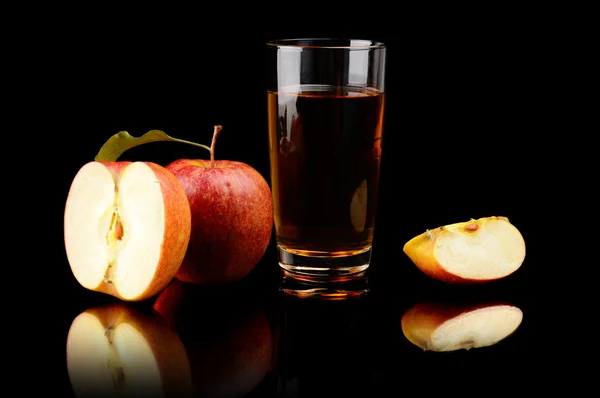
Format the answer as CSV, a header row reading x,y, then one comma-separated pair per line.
x,y
475,251
126,228
444,327
114,350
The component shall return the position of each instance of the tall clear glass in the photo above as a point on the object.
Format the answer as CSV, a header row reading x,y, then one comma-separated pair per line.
x,y
325,116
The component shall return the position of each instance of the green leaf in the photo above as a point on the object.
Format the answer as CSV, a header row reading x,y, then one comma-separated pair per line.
x,y
122,141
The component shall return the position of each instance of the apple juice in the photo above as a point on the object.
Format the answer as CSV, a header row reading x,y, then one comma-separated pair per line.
x,y
325,154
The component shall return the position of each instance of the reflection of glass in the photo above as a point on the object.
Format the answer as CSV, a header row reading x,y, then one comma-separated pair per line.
x,y
322,347
115,350
439,326
194,341
354,287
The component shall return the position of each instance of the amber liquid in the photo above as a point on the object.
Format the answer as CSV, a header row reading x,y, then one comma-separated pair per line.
x,y
325,154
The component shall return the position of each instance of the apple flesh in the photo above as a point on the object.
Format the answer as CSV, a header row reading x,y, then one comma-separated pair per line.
x,y
475,251
232,218
126,228
445,327
114,350
226,333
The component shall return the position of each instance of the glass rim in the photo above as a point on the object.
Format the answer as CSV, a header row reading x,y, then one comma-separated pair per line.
x,y
313,43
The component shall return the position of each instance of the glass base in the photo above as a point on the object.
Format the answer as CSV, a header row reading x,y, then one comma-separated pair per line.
x,y
324,268
353,288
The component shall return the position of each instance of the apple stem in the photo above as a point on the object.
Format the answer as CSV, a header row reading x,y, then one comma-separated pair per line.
x,y
216,132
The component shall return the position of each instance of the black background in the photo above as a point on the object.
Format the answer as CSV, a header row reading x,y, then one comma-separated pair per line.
x,y
457,145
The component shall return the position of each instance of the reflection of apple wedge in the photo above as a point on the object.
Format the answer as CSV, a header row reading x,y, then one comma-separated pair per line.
x,y
358,207
227,337
448,327
117,351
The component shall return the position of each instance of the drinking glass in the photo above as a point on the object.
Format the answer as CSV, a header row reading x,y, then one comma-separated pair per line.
x,y
325,118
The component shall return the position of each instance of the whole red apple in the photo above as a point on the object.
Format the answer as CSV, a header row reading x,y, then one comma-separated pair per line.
x,y
232,218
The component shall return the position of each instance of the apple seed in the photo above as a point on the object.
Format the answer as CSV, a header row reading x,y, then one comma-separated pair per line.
x,y
115,231
114,235
118,229
472,227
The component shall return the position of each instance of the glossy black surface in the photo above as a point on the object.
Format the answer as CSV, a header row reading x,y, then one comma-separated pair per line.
x,y
453,150
267,337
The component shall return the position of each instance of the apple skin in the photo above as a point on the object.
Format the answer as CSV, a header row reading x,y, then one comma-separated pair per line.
x,y
177,230
226,333
165,345
232,219
422,250
420,321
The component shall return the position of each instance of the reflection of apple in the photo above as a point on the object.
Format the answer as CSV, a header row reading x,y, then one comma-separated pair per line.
x,y
475,251
232,218
450,327
227,337
115,350
126,228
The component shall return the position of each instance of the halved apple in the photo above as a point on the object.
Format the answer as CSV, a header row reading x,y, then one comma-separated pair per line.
x,y
475,251
115,350
449,327
126,228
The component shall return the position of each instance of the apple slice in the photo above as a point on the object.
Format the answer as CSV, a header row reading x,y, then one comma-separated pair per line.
x,y
126,228
475,251
114,350
444,327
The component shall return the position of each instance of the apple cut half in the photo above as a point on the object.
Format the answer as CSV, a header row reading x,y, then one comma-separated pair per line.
x,y
114,350
126,228
475,251
444,327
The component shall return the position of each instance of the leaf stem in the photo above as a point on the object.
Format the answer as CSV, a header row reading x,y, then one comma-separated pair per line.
x,y
191,143
216,132
123,141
